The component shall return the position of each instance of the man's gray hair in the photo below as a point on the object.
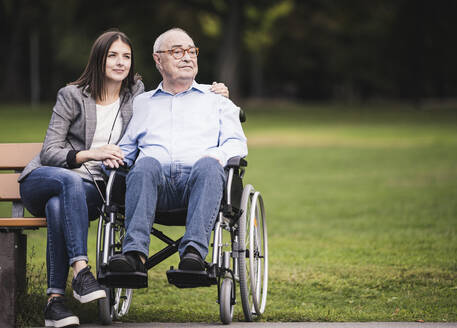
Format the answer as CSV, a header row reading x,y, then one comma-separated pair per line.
x,y
161,37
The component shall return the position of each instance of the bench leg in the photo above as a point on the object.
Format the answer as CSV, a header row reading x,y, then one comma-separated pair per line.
x,y
13,252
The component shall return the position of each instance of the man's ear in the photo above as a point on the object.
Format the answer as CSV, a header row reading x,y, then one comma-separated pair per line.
x,y
157,60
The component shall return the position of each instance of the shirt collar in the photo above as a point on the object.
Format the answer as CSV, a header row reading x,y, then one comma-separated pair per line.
x,y
195,86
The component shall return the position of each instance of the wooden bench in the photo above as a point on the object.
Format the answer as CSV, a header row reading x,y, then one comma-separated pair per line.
x,y
13,242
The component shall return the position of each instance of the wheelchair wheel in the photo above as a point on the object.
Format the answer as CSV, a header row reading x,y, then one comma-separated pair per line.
x,y
115,305
105,309
226,300
253,270
122,301
118,300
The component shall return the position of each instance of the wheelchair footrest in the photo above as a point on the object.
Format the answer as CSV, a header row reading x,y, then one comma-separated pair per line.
x,y
190,279
124,279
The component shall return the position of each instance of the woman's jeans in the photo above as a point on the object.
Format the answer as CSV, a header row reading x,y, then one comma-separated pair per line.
x,y
68,202
152,186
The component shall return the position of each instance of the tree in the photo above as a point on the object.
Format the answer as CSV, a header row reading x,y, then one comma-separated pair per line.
x,y
259,36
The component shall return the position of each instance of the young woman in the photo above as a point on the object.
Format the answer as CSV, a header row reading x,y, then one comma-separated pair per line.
x,y
89,117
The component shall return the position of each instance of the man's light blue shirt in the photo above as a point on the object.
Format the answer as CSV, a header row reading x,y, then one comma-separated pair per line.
x,y
182,128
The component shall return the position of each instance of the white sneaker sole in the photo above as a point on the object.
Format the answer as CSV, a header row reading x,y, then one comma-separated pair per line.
x,y
68,321
90,297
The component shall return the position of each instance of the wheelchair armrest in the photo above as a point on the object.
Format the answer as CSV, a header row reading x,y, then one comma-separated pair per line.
x,y
116,187
236,162
242,116
234,187
108,171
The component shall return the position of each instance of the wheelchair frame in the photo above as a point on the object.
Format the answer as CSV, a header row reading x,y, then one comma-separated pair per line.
x,y
243,260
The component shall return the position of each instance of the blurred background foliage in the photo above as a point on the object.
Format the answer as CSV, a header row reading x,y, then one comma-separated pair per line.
x,y
351,50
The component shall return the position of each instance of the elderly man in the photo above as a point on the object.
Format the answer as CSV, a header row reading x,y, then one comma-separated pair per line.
x,y
181,136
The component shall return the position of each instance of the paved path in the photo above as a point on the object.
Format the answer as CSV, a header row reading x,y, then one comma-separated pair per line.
x,y
285,325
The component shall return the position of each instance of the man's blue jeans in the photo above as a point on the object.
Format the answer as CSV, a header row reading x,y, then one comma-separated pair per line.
x,y
151,186
68,202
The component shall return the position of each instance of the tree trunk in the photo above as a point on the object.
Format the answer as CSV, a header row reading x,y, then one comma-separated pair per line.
x,y
229,51
12,87
256,75
34,69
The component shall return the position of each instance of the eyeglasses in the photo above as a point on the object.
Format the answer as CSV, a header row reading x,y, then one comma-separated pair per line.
x,y
178,53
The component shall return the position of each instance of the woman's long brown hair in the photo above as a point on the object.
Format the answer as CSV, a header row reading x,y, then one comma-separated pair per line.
x,y
93,76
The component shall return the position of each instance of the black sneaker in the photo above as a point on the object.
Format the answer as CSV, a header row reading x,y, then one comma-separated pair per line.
x,y
126,271
85,287
128,262
56,314
191,260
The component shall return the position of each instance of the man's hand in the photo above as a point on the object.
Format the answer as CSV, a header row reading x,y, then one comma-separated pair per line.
x,y
220,89
111,155
112,164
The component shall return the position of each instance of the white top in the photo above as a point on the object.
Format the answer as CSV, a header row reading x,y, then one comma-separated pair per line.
x,y
105,120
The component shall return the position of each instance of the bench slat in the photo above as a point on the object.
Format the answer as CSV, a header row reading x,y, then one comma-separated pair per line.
x,y
22,222
9,187
15,156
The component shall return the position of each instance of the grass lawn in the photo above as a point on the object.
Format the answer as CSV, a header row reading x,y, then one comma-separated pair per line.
x,y
361,208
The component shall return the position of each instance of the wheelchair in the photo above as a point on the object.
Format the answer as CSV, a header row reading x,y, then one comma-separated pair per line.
x,y
239,249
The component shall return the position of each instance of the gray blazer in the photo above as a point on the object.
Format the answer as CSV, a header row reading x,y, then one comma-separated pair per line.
x,y
74,119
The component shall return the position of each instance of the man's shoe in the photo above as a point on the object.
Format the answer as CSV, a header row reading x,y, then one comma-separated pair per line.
x,y
56,314
128,262
85,287
126,271
191,260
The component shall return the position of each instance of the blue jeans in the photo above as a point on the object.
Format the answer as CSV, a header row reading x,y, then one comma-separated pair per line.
x,y
68,202
151,186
